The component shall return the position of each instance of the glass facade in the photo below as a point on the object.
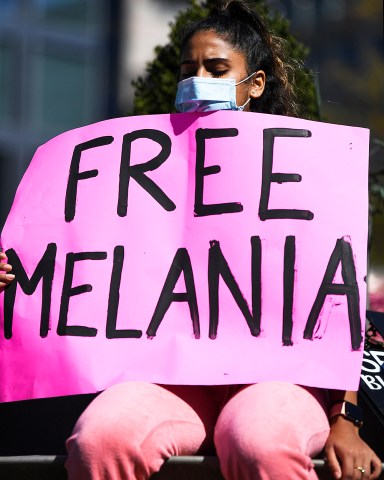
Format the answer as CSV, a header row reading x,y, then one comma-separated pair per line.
x,y
8,9
6,113
55,74
65,13
62,92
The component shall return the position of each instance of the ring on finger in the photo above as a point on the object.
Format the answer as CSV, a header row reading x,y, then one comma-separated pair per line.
x,y
361,469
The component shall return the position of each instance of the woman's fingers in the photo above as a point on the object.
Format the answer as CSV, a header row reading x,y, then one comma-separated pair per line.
x,y
5,276
376,467
333,463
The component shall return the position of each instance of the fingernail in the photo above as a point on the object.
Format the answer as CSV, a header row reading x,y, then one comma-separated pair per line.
x,y
10,276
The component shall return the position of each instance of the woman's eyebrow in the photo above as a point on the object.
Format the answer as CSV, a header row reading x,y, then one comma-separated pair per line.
x,y
217,59
207,60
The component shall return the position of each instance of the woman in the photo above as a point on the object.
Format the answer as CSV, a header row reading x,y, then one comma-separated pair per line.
x,y
268,430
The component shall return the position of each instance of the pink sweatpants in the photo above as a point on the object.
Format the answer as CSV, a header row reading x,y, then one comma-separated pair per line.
x,y
264,431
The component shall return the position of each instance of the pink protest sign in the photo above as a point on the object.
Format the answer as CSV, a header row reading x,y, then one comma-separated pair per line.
x,y
187,249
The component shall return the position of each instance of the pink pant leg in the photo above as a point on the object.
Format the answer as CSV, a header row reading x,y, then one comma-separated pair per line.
x,y
270,431
130,429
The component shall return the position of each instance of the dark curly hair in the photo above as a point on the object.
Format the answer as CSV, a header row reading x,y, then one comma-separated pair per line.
x,y
241,26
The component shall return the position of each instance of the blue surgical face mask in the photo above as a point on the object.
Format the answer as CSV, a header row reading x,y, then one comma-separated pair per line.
x,y
204,94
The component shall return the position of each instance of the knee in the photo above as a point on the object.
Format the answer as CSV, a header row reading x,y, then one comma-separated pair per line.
x,y
250,437
104,452
246,447
248,457
271,423
250,451
241,460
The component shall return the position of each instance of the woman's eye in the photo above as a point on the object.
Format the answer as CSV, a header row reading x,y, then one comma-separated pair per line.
x,y
218,73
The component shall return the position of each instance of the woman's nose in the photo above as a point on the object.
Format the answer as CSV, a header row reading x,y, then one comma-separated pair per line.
x,y
202,72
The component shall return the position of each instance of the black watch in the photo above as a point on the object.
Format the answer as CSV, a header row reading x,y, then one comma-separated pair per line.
x,y
349,411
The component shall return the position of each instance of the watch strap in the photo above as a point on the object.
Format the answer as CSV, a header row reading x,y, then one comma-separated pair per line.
x,y
349,411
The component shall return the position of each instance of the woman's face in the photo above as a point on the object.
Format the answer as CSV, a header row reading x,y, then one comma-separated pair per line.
x,y
208,55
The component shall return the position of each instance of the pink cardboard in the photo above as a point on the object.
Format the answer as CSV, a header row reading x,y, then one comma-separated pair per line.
x,y
178,261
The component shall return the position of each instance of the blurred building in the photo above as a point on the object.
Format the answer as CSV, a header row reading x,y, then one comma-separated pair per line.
x,y
345,40
57,65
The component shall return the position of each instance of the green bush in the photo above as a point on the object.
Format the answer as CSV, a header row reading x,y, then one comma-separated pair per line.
x,y
155,92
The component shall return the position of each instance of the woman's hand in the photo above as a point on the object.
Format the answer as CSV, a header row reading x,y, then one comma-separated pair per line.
x,y
5,278
345,451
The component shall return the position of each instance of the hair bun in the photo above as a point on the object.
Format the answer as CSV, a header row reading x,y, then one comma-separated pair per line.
x,y
240,10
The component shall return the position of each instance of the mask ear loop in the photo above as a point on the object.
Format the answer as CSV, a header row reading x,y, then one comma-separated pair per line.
x,y
241,108
245,79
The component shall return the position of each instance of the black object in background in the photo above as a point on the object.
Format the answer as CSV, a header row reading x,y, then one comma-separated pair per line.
x,y
371,392
39,426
